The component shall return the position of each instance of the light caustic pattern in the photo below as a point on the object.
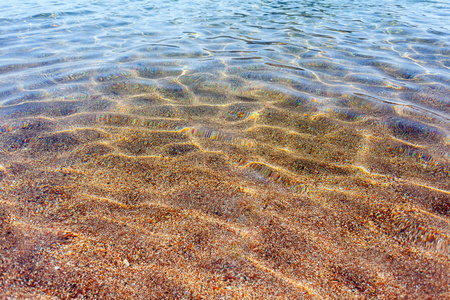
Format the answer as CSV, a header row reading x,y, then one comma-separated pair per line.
x,y
273,174
426,237
205,133
411,130
420,156
12,127
276,176
232,157
120,120
219,136
213,135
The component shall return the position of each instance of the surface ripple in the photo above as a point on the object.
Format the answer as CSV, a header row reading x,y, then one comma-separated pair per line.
x,y
224,149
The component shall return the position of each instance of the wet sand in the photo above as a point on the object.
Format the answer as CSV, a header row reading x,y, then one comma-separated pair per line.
x,y
256,197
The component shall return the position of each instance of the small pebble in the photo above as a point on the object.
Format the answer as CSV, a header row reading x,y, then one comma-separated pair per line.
x,y
126,263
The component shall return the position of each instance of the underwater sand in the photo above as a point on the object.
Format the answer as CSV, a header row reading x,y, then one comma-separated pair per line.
x,y
295,206
241,169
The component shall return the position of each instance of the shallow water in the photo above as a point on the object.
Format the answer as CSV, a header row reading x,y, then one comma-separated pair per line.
x,y
225,149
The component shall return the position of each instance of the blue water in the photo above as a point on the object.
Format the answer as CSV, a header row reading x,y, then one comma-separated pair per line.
x,y
317,133
387,50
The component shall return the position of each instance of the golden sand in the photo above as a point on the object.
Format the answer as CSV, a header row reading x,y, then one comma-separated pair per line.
x,y
154,203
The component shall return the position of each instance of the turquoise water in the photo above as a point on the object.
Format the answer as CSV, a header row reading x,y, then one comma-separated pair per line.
x,y
387,52
225,149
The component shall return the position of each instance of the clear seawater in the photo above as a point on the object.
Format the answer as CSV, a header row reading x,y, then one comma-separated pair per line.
x,y
389,53
205,107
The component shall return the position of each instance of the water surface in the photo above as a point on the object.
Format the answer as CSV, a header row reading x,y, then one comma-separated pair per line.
x,y
225,149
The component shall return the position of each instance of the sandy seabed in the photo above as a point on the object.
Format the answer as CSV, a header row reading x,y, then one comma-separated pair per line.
x,y
153,204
